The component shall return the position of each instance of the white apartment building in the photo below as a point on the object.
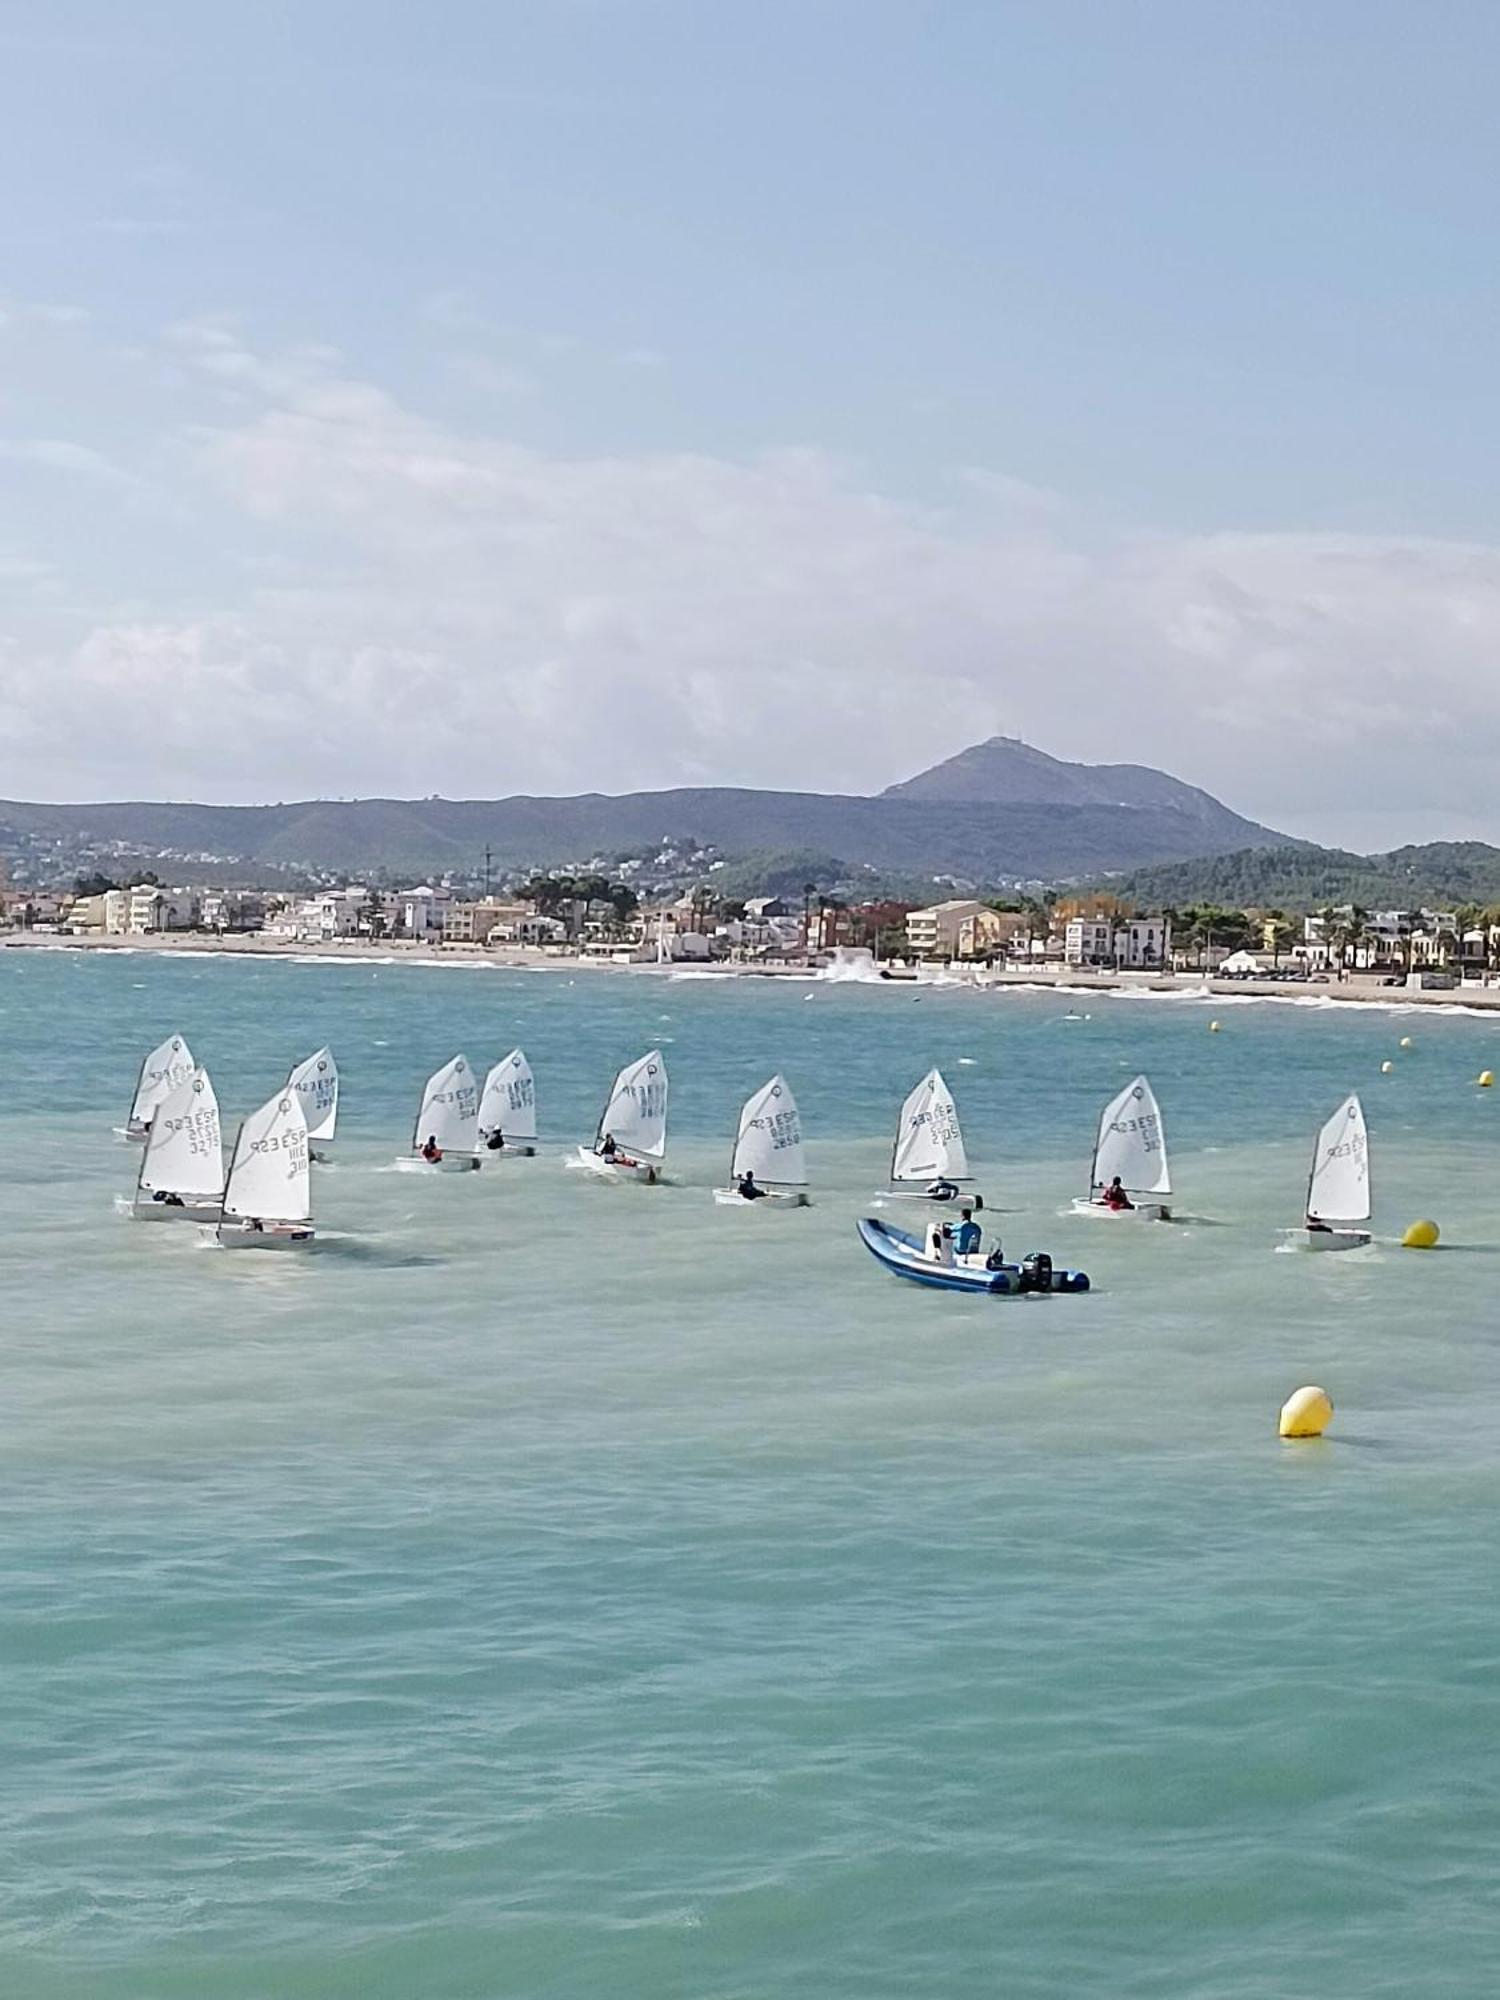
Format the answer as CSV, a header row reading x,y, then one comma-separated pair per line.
x,y
1089,941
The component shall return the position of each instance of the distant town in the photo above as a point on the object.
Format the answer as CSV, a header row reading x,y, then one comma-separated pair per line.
x,y
595,917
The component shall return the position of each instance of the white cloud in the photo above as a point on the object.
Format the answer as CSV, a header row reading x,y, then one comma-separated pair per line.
x,y
429,609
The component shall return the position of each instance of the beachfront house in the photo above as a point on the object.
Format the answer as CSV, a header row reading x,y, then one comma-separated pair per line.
x,y
1089,941
958,928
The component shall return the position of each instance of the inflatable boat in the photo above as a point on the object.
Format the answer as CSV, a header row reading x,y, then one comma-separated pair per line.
x,y
932,1261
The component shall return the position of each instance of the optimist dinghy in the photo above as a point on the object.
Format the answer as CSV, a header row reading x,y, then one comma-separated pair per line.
x,y
169,1065
316,1084
446,1134
932,1260
631,1142
507,1109
1131,1148
767,1153
1338,1188
268,1195
182,1167
928,1161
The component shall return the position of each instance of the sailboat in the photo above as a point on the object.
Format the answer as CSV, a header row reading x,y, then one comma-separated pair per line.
x,y
1338,1188
268,1195
448,1120
1131,1148
316,1084
169,1064
631,1141
768,1147
182,1166
928,1161
507,1108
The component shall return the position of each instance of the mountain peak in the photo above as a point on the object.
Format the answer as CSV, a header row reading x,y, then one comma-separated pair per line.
x,y
1005,771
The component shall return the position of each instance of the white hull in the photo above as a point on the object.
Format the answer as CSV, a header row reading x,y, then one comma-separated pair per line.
x,y
1337,1239
246,1235
450,1163
728,1197
190,1209
136,1134
1141,1211
520,1150
646,1171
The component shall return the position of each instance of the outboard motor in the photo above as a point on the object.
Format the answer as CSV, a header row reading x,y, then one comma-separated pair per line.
x,y
1036,1272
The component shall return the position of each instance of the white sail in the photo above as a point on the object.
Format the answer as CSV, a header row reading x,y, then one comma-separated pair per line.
x,y
269,1178
769,1144
184,1150
450,1110
1339,1187
169,1065
316,1083
507,1104
929,1144
635,1112
1132,1143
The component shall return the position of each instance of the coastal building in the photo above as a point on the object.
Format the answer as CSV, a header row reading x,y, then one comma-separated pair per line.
x,y
335,914
1139,944
1143,944
958,928
152,908
1089,941
421,911
473,923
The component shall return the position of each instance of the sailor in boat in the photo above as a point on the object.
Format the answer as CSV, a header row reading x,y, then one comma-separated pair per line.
x,y
1115,1197
943,1191
167,1199
432,1152
495,1142
746,1188
968,1237
607,1147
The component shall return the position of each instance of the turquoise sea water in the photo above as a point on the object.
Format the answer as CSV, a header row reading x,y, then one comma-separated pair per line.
x,y
552,1589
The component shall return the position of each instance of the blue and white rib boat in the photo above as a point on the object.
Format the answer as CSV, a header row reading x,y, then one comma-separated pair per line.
x,y
933,1261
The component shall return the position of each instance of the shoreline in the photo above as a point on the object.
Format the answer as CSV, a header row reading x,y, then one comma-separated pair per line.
x,y
1355,991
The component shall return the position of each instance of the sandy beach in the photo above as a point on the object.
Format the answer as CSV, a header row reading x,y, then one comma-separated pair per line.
x,y
1357,989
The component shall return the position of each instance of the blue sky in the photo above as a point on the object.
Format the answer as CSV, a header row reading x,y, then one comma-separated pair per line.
x,y
482,398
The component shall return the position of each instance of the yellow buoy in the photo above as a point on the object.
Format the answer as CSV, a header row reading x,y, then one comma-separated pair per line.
x,y
1386,1068
1213,1027
1406,1041
1422,1235
1486,1079
1306,1414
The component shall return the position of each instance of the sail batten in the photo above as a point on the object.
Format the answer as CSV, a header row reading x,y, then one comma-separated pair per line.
x,y
635,1112
769,1142
1338,1188
929,1142
1132,1143
507,1104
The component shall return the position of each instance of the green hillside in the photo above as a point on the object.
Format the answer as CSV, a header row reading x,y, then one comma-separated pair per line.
x,y
1443,872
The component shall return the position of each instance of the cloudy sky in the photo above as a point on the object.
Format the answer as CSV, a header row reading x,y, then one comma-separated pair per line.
x,y
597,394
